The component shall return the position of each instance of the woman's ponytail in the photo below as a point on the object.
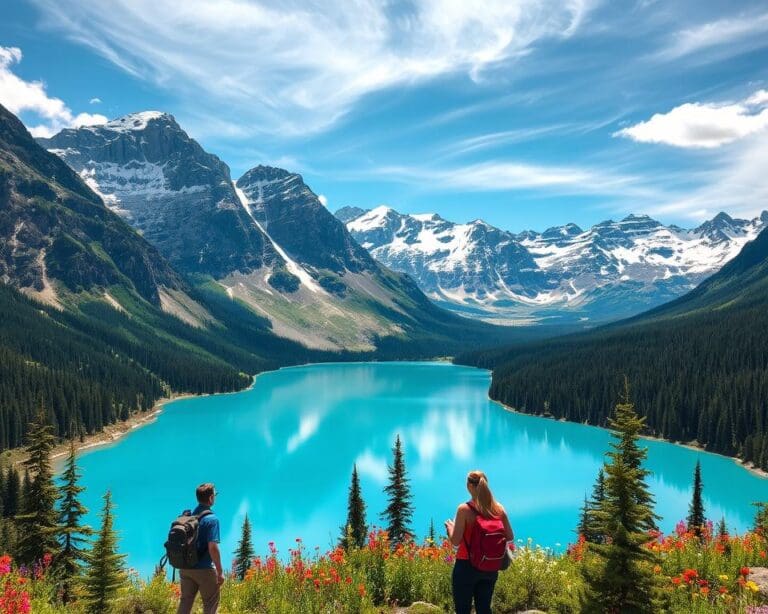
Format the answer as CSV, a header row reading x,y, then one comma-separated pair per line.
x,y
484,500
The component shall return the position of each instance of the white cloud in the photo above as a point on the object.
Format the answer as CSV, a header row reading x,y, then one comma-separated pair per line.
x,y
94,101
724,38
501,175
18,95
299,66
323,199
703,125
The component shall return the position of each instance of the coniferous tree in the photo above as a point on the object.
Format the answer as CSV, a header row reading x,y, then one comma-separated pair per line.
x,y
590,523
431,535
761,520
245,552
11,493
722,529
105,573
400,509
38,523
72,534
582,529
355,529
621,578
696,517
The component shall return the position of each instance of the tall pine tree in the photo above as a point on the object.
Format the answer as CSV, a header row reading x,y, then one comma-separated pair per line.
x,y
620,577
355,529
105,573
400,509
245,552
589,525
696,517
38,522
72,533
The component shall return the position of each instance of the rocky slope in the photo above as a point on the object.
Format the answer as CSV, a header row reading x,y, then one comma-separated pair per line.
x,y
610,271
178,196
57,238
266,241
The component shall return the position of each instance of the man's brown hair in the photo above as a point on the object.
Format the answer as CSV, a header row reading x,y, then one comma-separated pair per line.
x,y
204,492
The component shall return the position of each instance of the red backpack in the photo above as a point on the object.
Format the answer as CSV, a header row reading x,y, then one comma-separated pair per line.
x,y
487,547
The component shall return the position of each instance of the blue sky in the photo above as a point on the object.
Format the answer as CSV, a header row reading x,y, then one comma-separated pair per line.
x,y
526,113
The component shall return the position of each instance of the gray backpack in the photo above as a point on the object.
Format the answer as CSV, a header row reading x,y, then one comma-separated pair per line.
x,y
181,547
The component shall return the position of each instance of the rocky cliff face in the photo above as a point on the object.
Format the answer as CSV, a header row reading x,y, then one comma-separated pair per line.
x,y
180,197
57,236
267,240
612,270
294,217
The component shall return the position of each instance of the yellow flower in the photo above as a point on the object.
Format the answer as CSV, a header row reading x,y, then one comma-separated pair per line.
x,y
723,578
752,586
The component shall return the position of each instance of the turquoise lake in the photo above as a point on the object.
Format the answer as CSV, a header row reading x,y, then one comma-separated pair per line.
x,y
283,452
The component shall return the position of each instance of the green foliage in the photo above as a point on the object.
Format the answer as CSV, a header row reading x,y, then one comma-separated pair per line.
x,y
38,523
696,518
105,573
621,578
355,530
400,508
244,553
72,534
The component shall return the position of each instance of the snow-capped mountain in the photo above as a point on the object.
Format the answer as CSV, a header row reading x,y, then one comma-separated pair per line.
x,y
266,241
612,270
180,197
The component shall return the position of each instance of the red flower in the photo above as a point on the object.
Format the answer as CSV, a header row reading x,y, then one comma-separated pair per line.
x,y
744,571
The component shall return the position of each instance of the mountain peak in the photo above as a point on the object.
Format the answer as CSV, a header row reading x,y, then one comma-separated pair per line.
x,y
134,122
722,218
265,173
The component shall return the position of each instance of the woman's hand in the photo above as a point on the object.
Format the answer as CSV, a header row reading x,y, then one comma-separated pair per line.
x,y
449,527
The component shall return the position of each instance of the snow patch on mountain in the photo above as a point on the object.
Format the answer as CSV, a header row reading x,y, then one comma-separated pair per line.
x,y
293,267
611,270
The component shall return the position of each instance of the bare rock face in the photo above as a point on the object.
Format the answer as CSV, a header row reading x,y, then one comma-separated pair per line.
x,y
759,575
177,195
54,228
296,219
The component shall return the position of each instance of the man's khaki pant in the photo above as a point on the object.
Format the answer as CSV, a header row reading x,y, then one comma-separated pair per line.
x,y
203,580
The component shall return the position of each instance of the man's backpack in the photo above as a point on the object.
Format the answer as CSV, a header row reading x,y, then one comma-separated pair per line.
x,y
487,547
181,547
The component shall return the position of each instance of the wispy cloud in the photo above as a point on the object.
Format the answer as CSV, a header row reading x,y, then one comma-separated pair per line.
x,y
500,175
722,38
703,125
94,101
300,66
19,95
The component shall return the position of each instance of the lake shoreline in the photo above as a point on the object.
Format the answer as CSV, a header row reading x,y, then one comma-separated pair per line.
x,y
113,433
690,445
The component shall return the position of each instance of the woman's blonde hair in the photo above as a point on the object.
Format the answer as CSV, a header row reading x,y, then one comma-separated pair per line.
x,y
483,497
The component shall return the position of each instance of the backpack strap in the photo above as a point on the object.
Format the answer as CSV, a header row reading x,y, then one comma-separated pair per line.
x,y
203,514
471,506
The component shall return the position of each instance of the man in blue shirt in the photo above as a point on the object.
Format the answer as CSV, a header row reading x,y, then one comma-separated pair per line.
x,y
208,575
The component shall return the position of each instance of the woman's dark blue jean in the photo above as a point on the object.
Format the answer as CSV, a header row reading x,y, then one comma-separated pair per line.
x,y
470,583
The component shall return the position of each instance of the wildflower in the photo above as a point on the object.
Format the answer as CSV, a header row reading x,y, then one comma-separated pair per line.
x,y
752,586
361,589
744,571
657,569
723,578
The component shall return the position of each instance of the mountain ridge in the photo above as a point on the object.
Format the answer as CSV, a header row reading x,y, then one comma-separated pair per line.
x,y
607,272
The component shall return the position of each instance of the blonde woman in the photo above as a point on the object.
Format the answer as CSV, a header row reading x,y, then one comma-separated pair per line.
x,y
481,530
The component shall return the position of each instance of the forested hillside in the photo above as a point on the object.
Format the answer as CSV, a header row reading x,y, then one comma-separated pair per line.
x,y
697,368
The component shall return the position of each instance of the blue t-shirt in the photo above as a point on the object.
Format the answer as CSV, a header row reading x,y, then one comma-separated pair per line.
x,y
206,533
